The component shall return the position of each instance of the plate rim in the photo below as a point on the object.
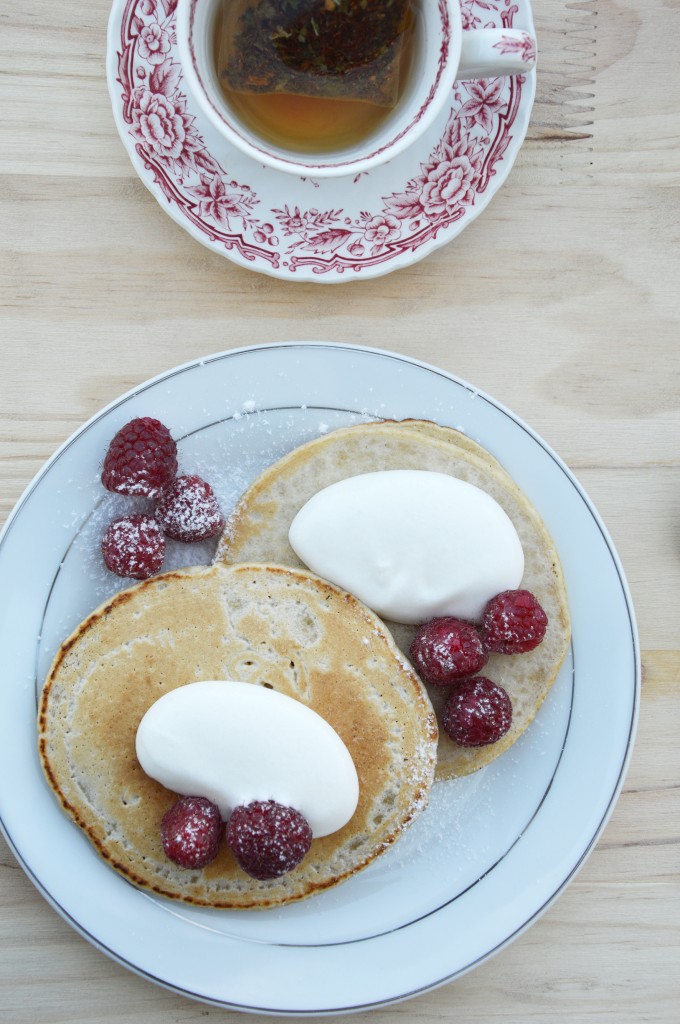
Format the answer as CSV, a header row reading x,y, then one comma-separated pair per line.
x,y
625,593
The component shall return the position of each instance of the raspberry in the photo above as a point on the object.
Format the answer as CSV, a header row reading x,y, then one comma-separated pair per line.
x,y
513,622
191,832
134,546
267,838
445,650
477,712
188,510
141,459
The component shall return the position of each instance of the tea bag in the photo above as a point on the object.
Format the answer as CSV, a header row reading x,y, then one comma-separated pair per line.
x,y
336,49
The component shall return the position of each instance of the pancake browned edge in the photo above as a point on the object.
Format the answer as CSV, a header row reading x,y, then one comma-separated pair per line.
x,y
258,531
266,625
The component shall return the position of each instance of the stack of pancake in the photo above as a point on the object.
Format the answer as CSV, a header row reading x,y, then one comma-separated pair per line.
x,y
257,615
258,531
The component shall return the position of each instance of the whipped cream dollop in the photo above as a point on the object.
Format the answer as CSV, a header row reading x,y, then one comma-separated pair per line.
x,y
235,742
411,544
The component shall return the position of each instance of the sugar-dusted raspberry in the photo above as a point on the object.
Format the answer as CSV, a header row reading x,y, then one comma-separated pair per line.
x,y
447,649
188,510
513,622
191,831
134,546
477,712
267,838
141,459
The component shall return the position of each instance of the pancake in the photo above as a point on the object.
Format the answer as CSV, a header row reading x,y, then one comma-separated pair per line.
x,y
266,625
258,528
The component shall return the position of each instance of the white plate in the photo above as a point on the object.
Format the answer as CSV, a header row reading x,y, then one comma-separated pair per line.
x,y
491,852
303,229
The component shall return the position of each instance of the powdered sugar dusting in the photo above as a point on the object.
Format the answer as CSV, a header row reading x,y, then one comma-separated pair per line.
x,y
268,839
188,510
133,546
477,713
441,832
228,451
191,832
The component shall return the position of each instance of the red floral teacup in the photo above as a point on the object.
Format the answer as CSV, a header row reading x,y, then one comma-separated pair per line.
x,y
444,52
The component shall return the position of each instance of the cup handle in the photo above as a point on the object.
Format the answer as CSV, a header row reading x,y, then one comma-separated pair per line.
x,y
493,52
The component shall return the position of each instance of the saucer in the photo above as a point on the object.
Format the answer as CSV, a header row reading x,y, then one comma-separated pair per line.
x,y
302,229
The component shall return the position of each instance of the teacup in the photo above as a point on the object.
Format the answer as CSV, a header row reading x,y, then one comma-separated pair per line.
x,y
444,53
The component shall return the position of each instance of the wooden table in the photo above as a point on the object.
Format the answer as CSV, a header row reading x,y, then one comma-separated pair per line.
x,y
561,301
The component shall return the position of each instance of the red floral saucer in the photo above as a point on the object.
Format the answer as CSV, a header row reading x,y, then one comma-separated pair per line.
x,y
325,230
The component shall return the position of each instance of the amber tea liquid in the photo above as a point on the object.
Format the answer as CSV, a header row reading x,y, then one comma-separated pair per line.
x,y
309,124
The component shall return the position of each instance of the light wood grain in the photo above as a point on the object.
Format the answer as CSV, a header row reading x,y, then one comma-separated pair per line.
x,y
561,301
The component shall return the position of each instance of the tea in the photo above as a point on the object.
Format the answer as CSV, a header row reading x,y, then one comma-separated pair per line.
x,y
313,75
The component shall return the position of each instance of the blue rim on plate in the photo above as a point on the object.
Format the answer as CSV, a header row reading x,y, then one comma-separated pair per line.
x,y
517,832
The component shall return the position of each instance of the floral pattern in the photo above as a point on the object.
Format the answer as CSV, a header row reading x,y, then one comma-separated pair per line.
x,y
219,202
486,102
524,47
154,43
159,124
292,238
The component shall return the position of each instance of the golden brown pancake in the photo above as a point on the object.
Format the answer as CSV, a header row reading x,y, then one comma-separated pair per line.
x,y
266,625
257,531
